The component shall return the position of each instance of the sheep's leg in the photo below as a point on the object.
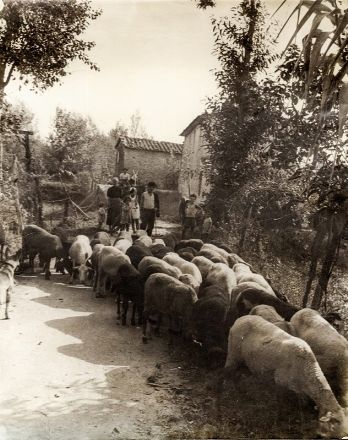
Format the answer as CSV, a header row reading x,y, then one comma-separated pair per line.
x,y
171,332
8,300
104,285
145,318
2,252
342,384
157,330
124,309
140,308
31,262
99,280
71,280
47,269
134,308
95,279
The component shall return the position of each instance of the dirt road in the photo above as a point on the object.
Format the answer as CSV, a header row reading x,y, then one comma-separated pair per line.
x,y
69,371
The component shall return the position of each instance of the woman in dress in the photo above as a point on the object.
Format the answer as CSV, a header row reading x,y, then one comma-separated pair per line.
x,y
114,205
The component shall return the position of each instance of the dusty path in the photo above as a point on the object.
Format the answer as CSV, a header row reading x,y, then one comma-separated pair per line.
x,y
68,371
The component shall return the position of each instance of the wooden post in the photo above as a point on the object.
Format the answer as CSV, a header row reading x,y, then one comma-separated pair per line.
x,y
26,143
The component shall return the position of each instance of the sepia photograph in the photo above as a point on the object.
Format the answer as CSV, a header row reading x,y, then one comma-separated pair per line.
x,y
173,219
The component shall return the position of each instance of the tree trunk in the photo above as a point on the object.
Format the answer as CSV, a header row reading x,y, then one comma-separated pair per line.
x,y
338,223
39,201
66,209
326,270
315,255
244,230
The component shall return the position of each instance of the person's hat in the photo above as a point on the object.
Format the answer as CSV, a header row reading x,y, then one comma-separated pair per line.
x,y
115,180
152,184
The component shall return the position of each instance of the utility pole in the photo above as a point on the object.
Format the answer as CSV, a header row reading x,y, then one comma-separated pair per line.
x,y
28,157
26,143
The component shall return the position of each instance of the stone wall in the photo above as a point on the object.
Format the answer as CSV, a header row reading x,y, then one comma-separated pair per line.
x,y
169,203
162,168
104,162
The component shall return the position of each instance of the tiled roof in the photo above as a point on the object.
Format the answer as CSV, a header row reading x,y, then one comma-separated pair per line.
x,y
149,145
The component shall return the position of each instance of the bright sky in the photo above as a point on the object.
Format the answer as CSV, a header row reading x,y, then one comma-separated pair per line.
x,y
155,57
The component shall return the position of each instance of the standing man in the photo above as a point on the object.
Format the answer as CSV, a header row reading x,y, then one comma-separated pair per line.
x,y
149,208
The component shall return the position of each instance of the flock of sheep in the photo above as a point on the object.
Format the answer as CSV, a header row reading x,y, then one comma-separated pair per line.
x,y
210,295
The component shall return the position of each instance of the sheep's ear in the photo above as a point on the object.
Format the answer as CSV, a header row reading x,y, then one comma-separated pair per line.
x,y
326,417
247,304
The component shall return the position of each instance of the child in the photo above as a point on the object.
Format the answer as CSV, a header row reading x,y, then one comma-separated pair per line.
x,y
206,227
101,215
125,214
199,219
190,216
135,209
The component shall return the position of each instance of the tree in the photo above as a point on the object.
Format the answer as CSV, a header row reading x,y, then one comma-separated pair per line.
x,y
70,146
135,128
241,113
325,52
39,38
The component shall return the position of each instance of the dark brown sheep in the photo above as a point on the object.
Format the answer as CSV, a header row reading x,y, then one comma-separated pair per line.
x,y
37,241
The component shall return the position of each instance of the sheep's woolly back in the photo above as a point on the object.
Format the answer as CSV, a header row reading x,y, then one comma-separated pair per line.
x,y
330,348
146,262
256,278
266,312
203,264
263,347
222,276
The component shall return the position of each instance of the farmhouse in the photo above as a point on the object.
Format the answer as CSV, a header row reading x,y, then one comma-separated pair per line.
x,y
191,178
153,160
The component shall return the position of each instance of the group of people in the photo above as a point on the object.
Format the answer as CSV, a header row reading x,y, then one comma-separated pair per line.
x,y
192,216
125,209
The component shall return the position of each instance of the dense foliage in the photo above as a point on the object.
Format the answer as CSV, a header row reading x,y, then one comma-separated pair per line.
x,y
277,160
39,38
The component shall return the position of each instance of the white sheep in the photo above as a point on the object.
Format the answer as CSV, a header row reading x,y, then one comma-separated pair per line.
x,y
188,279
265,348
123,244
241,269
222,276
270,314
159,241
79,252
230,258
145,239
329,347
212,255
110,259
203,264
244,274
160,265
185,266
247,285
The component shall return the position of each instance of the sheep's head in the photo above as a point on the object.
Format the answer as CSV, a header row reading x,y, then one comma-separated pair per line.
x,y
190,281
82,272
334,425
